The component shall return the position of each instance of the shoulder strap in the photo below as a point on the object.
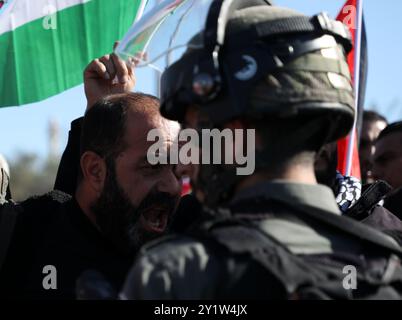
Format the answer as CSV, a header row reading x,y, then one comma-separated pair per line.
x,y
342,224
241,237
298,276
352,227
8,217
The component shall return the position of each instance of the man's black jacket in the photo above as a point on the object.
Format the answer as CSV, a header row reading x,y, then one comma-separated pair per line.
x,y
52,231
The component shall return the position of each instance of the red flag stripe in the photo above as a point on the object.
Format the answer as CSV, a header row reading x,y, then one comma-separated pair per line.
x,y
348,16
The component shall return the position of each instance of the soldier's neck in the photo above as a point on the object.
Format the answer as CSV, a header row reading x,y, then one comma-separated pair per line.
x,y
295,174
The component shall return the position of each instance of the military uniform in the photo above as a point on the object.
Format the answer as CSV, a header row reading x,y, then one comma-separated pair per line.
x,y
183,267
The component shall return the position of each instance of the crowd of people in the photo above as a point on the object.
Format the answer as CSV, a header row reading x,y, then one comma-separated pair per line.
x,y
117,227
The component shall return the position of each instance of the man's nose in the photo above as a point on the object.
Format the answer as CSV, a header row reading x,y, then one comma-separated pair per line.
x,y
170,183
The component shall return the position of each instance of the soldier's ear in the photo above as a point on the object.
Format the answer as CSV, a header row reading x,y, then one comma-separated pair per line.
x,y
245,125
94,170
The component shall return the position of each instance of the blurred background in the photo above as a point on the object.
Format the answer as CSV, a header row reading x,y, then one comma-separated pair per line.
x,y
33,137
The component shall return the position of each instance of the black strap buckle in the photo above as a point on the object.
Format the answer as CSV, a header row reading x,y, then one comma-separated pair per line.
x,y
336,28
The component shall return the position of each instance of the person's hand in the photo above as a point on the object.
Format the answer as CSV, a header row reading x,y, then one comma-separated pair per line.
x,y
100,74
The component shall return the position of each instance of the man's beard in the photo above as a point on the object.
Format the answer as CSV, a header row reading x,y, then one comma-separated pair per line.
x,y
119,220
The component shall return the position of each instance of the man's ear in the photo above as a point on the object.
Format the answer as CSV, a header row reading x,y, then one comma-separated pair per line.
x,y
94,170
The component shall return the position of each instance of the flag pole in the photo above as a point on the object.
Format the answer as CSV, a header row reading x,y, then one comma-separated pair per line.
x,y
141,10
357,58
138,16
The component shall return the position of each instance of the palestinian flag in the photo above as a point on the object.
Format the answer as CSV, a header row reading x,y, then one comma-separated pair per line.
x,y
46,44
351,15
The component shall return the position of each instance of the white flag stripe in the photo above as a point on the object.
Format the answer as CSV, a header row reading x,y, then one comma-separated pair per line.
x,y
20,12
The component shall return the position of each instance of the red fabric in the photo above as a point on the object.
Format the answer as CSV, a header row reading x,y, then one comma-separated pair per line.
x,y
186,187
348,17
342,155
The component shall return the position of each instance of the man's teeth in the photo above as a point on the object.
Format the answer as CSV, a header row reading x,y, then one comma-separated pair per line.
x,y
155,224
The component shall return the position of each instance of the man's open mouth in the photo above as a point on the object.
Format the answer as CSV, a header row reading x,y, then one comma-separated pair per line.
x,y
155,219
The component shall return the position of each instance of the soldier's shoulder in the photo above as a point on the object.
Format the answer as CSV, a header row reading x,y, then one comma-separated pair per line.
x,y
174,247
164,268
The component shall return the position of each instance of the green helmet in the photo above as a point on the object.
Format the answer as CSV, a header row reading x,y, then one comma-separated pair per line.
x,y
259,61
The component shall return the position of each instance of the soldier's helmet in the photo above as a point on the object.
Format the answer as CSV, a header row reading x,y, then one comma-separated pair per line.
x,y
258,61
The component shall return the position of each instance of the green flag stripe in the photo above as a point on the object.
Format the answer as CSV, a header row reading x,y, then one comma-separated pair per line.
x,y
36,63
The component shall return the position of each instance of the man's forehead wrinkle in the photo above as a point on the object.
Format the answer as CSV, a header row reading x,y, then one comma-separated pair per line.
x,y
138,125
168,131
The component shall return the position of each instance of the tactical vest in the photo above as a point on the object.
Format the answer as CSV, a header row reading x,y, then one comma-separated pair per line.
x,y
257,266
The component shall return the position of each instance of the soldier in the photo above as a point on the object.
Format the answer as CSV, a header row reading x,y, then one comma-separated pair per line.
x,y
275,234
